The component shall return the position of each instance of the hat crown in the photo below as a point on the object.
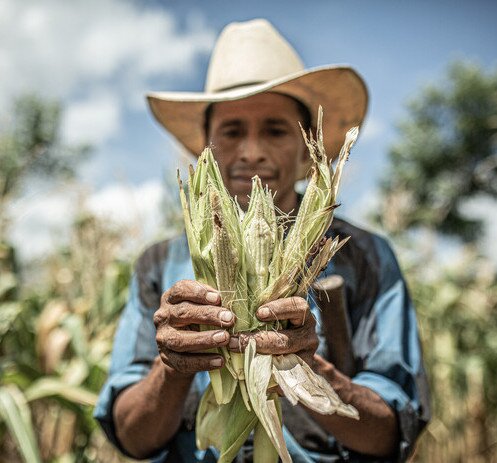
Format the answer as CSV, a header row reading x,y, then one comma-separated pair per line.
x,y
248,53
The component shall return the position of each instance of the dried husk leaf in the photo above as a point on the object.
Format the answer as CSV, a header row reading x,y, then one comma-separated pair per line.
x,y
257,374
300,383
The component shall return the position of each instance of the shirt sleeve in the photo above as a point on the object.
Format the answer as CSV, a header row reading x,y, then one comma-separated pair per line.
x,y
133,353
393,367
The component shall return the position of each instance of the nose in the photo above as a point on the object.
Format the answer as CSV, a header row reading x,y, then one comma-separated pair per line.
x,y
252,150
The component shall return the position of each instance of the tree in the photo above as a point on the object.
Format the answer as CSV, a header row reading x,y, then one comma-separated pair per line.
x,y
447,154
30,145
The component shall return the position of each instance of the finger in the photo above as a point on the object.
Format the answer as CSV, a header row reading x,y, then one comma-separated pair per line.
x,y
280,342
193,291
294,309
190,341
191,363
187,313
323,367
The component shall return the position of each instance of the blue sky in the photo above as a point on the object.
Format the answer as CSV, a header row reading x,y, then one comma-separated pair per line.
x,y
99,58
397,46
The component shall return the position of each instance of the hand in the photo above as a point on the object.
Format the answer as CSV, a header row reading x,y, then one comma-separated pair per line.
x,y
184,306
298,338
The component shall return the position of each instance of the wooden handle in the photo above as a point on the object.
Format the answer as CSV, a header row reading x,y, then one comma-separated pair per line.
x,y
331,299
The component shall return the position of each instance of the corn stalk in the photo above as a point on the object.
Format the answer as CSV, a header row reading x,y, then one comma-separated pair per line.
x,y
249,260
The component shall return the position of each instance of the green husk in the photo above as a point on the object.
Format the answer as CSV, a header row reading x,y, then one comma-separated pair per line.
x,y
235,428
250,261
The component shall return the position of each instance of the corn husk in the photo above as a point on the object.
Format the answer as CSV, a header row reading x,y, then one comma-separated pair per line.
x,y
250,261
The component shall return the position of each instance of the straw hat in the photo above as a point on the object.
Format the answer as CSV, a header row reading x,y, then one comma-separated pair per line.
x,y
250,58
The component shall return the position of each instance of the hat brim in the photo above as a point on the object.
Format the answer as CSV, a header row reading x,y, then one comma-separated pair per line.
x,y
339,89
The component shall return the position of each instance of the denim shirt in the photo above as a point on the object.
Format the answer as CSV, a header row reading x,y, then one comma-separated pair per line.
x,y
385,344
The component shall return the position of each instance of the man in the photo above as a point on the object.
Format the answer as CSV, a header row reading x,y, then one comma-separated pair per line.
x,y
256,91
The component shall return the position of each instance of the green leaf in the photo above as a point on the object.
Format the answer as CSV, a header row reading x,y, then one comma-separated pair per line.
x,y
15,413
47,387
76,327
8,314
225,427
8,282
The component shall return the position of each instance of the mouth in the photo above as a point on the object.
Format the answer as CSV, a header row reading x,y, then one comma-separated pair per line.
x,y
245,181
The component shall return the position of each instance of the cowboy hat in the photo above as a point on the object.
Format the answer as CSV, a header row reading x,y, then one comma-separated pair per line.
x,y
250,58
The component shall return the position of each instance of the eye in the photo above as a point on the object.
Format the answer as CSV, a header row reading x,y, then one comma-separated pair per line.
x,y
231,133
277,132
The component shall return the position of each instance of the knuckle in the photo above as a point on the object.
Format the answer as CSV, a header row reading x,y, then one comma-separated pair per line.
x,y
181,311
160,339
182,364
160,317
173,342
301,304
275,341
157,319
180,289
174,291
281,342
164,300
199,290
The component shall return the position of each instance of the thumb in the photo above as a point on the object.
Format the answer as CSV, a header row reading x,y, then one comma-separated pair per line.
x,y
323,367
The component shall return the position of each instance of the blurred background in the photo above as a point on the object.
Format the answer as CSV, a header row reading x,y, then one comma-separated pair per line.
x,y
87,181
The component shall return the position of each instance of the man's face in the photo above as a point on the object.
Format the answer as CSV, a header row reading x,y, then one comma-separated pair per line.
x,y
258,135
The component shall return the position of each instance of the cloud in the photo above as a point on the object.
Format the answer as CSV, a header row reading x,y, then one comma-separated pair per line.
x,y
445,249
69,50
373,129
485,208
41,222
43,219
56,46
93,120
359,210
135,206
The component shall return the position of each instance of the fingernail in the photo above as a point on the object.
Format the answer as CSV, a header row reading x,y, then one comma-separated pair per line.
x,y
263,312
226,316
220,336
234,343
216,362
212,297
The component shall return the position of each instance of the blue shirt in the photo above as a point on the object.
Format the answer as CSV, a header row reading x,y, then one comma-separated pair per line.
x,y
385,344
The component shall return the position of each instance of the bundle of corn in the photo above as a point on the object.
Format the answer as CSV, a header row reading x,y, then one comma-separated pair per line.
x,y
248,258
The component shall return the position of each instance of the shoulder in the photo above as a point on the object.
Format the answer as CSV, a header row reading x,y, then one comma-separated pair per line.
x,y
152,258
367,261
149,268
364,245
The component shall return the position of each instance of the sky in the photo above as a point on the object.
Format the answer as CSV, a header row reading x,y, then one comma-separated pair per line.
x,y
99,58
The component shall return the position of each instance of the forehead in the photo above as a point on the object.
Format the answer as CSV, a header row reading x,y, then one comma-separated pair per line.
x,y
266,106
